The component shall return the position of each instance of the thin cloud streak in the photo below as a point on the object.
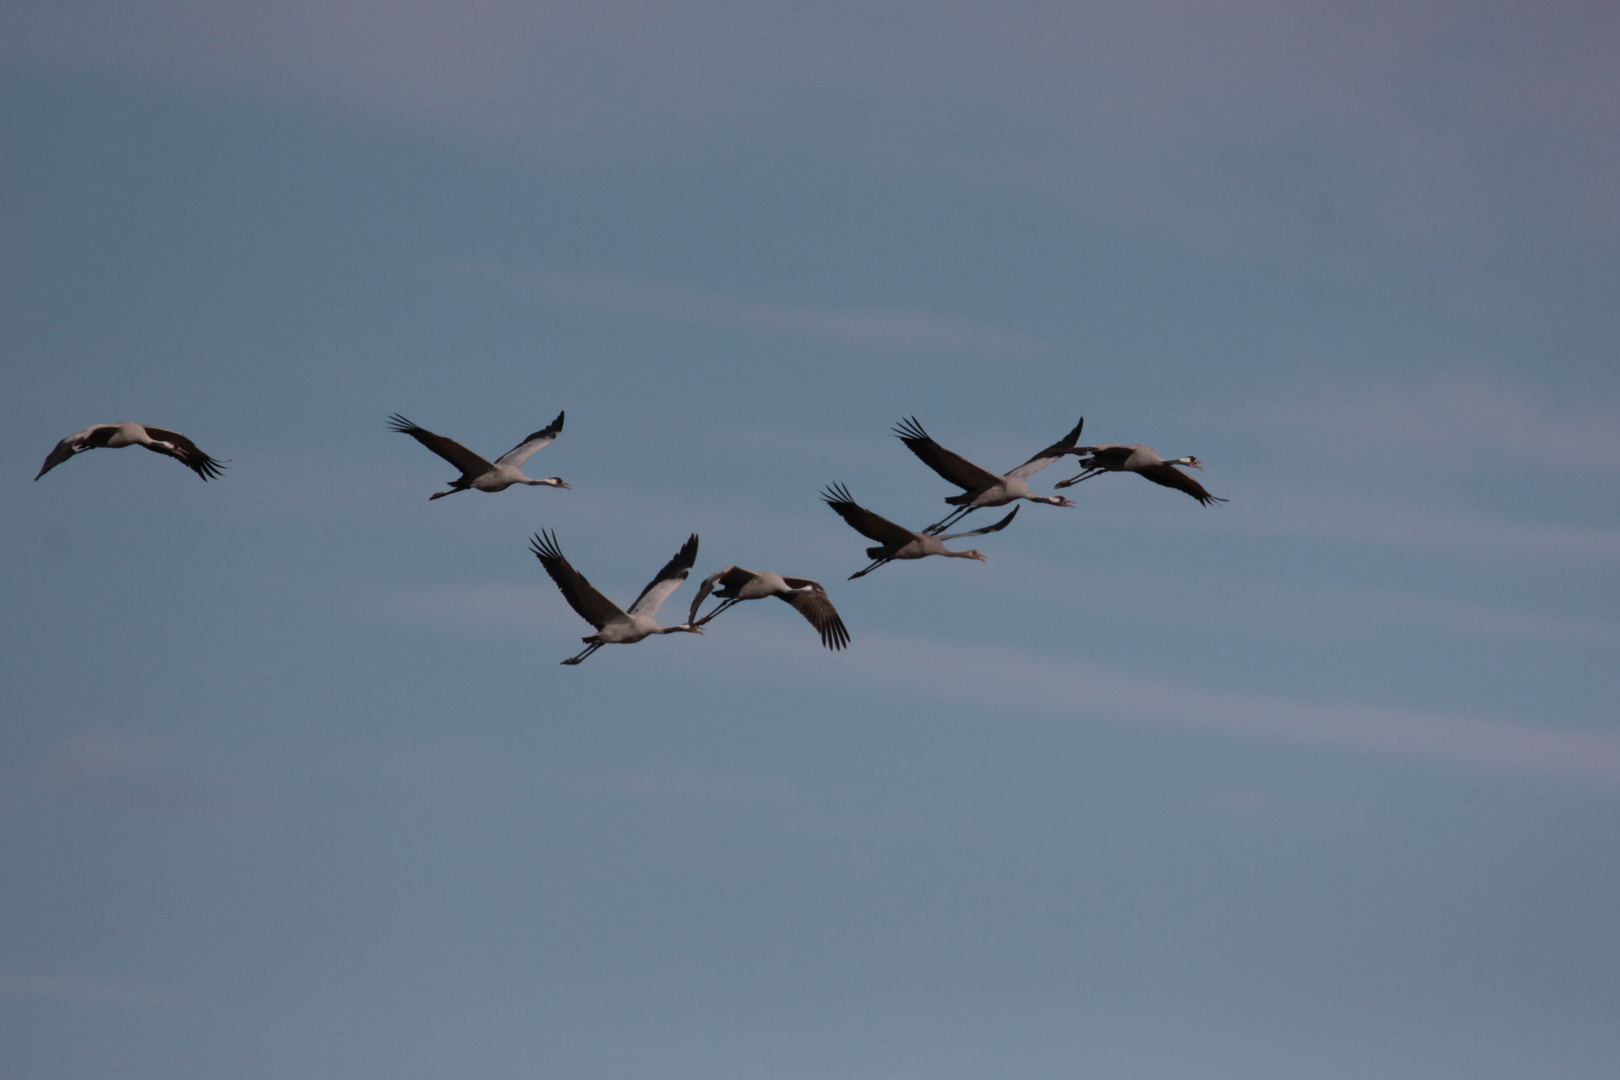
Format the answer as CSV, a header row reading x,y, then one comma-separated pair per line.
x,y
895,330
988,676
676,781
991,680
91,991
1392,522
1457,115
1464,416
102,768
491,608
1248,604
1278,510
1066,688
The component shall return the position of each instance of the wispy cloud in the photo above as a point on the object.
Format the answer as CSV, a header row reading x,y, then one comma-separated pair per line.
x,y
483,607
1476,619
683,782
891,330
1465,415
1246,603
1350,519
95,991
1279,510
1450,111
1067,689
107,769
1063,688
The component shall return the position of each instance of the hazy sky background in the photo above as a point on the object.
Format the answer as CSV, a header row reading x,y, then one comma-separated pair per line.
x,y
1322,782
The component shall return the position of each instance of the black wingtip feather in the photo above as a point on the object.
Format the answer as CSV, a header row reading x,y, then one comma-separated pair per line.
x,y
833,494
544,546
208,468
909,430
687,556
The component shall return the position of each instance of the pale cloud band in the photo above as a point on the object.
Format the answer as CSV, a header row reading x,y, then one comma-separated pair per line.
x,y
1061,688
1069,689
1456,114
96,992
1462,416
891,330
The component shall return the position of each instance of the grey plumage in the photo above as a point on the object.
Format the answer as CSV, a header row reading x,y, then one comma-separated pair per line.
x,y
981,487
1145,462
615,626
896,541
129,433
733,584
476,472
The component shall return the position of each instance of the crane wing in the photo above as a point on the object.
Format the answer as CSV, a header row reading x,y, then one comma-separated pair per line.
x,y
526,449
92,436
864,521
815,607
1050,454
729,577
1110,456
953,467
1171,477
997,527
581,595
470,464
668,579
185,451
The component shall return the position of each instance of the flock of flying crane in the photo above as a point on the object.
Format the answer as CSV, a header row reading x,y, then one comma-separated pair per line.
x,y
732,584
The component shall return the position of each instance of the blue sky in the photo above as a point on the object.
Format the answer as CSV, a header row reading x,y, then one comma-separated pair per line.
x,y
1319,782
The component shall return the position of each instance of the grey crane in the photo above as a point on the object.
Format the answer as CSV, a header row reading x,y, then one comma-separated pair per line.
x,y
807,597
895,541
477,473
129,433
1144,461
613,626
981,487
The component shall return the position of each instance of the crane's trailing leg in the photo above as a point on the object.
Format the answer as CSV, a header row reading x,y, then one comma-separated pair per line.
x,y
950,519
581,657
710,616
869,569
1073,480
